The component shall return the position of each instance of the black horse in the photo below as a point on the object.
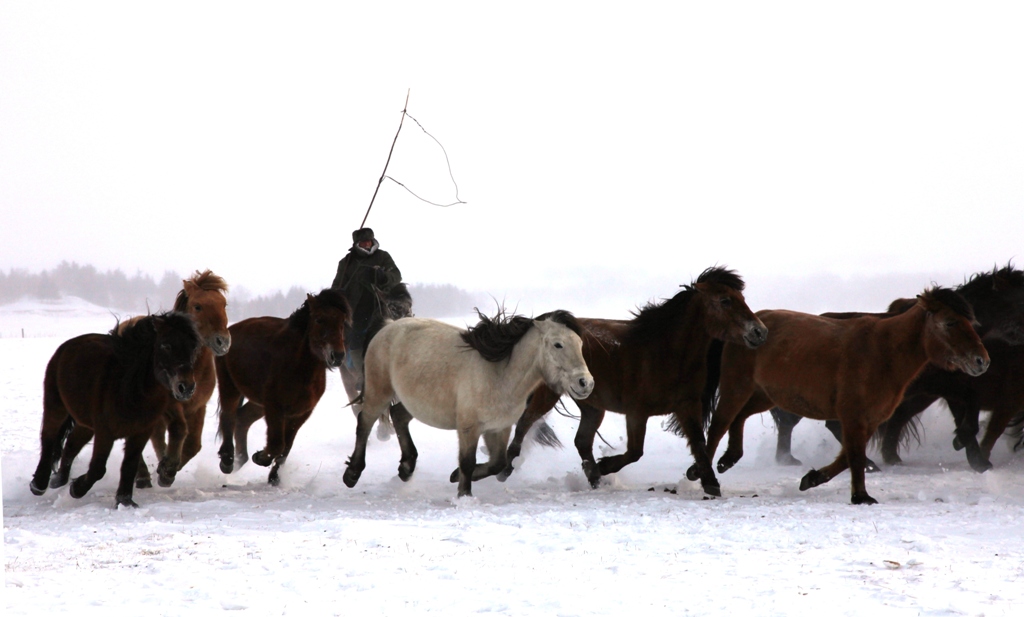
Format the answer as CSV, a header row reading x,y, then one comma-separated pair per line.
x,y
998,301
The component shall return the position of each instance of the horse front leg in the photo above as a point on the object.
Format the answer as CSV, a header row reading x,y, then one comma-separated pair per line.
x,y
836,428
540,402
291,429
497,444
469,437
785,422
133,446
195,420
170,462
357,462
998,421
590,421
636,434
276,428
230,399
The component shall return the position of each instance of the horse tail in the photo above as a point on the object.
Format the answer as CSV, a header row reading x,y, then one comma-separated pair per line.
x,y
546,436
62,437
1016,431
910,431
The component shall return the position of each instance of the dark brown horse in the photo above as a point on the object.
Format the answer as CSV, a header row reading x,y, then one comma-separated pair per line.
x,y
997,298
280,366
115,386
202,299
854,370
652,365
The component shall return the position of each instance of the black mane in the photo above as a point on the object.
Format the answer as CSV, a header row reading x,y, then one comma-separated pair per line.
x,y
300,318
496,337
983,284
652,321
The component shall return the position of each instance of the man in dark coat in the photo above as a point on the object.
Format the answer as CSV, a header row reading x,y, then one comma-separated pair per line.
x,y
361,274
372,284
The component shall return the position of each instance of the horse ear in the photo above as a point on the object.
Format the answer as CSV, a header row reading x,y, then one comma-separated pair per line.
x,y
309,296
190,287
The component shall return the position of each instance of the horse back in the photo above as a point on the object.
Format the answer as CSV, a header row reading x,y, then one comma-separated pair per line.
x,y
81,377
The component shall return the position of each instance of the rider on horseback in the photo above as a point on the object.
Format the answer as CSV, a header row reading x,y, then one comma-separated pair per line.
x,y
372,283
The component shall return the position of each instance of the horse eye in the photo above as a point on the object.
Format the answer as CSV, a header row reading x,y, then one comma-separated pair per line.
x,y
558,345
950,324
198,307
726,302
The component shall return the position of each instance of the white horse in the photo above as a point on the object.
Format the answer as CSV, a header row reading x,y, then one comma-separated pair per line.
x,y
474,381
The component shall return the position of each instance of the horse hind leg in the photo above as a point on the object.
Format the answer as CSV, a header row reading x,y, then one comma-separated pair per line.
x,y
400,418
73,444
247,415
56,424
469,436
785,422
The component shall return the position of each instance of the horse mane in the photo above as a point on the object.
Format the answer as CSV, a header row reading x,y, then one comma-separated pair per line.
x,y
496,337
950,299
565,318
650,322
133,342
205,280
984,283
299,319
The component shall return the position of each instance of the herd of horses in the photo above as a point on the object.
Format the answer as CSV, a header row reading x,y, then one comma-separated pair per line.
x,y
703,358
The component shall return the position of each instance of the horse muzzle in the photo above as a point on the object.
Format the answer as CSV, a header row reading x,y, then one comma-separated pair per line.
x,y
183,390
973,365
219,344
333,359
581,386
756,335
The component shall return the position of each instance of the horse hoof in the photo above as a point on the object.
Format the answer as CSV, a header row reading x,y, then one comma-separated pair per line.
x,y
957,444
692,474
226,465
465,493
980,465
37,491
126,501
143,483
76,489
164,481
713,489
787,460
274,479
58,481
863,499
505,473
454,477
262,459
405,470
593,473
871,467
724,465
811,479
351,476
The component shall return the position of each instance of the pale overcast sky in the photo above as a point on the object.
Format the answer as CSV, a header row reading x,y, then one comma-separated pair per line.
x,y
592,141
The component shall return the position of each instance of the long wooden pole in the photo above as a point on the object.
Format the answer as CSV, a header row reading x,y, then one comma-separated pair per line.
x,y
384,173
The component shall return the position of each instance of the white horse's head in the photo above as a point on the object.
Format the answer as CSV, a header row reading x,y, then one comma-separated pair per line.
x,y
561,355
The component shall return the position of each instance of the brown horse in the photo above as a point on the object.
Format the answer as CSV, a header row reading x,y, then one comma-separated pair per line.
x,y
854,370
115,386
280,366
653,365
201,298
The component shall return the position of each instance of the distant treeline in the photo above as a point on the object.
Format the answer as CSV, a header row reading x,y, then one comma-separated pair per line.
x,y
141,293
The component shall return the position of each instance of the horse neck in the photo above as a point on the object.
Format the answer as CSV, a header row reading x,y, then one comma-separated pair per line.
x,y
688,336
521,373
903,343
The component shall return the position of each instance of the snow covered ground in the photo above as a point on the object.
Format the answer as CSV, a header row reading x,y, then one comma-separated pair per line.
x,y
943,541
